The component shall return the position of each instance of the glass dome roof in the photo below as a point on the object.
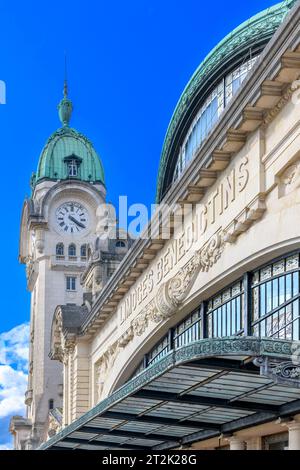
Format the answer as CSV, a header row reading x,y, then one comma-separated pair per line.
x,y
238,47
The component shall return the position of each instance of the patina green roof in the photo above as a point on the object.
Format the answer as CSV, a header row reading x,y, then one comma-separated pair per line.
x,y
265,24
67,143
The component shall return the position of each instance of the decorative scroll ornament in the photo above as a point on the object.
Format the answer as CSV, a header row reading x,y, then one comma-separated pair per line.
x,y
173,292
286,373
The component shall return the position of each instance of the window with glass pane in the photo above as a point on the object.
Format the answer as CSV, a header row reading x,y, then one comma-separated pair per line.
x,y
83,251
120,244
73,168
225,312
209,113
275,305
71,283
159,351
60,250
188,331
72,250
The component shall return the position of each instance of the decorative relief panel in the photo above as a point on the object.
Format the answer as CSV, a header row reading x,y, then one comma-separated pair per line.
x,y
290,180
284,372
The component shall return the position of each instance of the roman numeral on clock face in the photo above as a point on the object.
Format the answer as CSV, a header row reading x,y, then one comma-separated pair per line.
x,y
72,218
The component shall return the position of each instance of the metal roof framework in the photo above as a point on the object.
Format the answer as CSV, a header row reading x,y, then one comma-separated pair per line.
x,y
208,388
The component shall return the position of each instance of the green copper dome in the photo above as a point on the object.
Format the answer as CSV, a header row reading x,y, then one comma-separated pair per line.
x,y
247,40
68,154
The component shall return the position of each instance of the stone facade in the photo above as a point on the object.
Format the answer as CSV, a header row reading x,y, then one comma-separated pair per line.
x,y
243,193
243,196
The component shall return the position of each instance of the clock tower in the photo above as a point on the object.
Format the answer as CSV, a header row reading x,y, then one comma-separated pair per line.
x,y
57,230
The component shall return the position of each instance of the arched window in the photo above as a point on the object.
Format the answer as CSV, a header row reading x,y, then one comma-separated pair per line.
x,y
120,244
60,250
72,250
51,404
83,251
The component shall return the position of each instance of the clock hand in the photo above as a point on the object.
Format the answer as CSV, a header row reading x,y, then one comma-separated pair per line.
x,y
76,222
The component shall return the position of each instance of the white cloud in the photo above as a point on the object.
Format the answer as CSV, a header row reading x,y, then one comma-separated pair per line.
x,y
13,385
14,347
7,446
13,376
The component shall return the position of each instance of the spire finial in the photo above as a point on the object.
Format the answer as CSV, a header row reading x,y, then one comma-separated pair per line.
x,y
66,78
65,107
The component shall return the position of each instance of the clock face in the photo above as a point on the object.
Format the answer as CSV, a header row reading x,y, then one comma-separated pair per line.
x,y
71,218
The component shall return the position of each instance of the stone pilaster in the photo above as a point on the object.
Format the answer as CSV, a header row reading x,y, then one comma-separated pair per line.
x,y
236,443
81,381
254,443
294,435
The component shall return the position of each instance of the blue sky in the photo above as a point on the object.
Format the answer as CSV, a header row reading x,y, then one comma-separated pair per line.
x,y
128,63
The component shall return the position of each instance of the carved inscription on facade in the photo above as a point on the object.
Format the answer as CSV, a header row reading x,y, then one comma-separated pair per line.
x,y
187,241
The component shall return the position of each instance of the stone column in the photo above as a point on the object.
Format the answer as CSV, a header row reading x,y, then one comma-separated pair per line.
x,y
254,443
236,443
294,435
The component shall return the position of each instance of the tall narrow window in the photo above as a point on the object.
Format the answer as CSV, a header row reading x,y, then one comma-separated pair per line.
x,y
73,168
83,252
60,251
71,283
72,251
51,404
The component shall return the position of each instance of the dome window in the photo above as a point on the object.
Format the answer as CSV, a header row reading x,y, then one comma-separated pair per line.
x,y
73,166
120,244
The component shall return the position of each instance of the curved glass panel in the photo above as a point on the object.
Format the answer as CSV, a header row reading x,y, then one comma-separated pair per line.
x,y
225,314
275,305
210,113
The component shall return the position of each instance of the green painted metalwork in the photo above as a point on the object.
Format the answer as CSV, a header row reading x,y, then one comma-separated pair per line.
x,y
65,107
264,23
67,144
245,346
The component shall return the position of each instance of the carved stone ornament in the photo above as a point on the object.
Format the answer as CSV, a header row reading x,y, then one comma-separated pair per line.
x,y
29,266
54,426
57,352
104,365
69,344
291,178
287,96
173,292
286,373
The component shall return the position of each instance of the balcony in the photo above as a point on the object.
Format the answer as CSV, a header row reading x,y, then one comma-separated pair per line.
x,y
62,262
